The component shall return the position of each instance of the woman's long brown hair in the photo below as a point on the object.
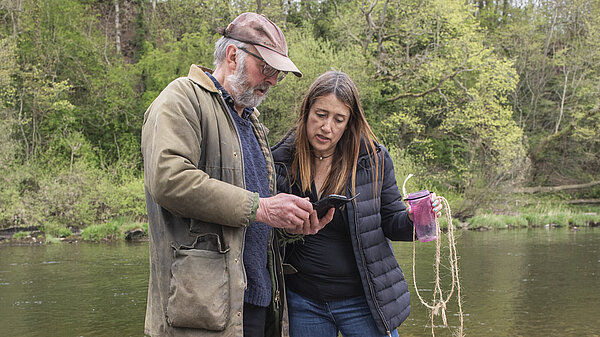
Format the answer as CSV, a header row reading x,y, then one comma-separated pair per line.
x,y
347,149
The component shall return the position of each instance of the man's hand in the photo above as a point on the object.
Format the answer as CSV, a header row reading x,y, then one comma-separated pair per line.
x,y
314,224
292,213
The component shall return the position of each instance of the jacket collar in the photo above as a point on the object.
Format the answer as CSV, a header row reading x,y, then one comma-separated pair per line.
x,y
197,75
284,149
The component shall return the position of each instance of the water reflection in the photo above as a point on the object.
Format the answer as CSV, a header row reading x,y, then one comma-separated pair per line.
x,y
515,283
73,289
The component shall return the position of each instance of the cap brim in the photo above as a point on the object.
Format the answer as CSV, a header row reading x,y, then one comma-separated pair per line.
x,y
278,61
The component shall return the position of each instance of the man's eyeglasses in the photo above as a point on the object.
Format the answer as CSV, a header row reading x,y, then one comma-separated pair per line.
x,y
267,70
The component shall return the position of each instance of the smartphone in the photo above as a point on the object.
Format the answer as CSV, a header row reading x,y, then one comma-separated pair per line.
x,y
331,201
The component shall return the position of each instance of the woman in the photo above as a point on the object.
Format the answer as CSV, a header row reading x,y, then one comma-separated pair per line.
x,y
345,278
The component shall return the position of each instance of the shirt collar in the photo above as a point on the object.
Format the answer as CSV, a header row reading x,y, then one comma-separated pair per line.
x,y
228,98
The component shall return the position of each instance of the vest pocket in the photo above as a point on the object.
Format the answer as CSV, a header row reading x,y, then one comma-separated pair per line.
x,y
199,290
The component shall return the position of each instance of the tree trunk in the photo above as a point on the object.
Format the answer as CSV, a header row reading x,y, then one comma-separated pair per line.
x,y
117,27
562,100
556,188
583,201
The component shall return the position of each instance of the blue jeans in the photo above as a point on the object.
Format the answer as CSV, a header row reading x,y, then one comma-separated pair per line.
x,y
351,317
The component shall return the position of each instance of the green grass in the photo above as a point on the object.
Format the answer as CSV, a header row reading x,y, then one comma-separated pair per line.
x,y
444,223
49,238
561,218
56,230
112,230
108,231
21,235
135,225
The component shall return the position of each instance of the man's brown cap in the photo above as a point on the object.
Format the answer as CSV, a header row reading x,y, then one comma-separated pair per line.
x,y
268,39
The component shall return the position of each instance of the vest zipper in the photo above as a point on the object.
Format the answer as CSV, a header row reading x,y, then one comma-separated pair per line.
x,y
277,294
362,257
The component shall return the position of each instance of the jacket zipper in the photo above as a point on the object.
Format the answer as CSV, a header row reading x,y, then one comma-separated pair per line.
x,y
228,114
362,257
277,294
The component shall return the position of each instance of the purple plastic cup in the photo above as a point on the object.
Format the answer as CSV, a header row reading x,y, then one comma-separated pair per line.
x,y
423,216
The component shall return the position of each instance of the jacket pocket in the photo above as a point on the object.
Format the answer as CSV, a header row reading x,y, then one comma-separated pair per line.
x,y
199,290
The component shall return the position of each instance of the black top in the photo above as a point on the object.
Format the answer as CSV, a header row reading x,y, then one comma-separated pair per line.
x,y
376,216
325,261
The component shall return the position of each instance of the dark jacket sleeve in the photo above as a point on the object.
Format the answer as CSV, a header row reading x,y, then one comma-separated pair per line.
x,y
395,222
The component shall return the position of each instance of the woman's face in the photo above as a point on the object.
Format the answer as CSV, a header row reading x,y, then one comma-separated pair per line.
x,y
326,123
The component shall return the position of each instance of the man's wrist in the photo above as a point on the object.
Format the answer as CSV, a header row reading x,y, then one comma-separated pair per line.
x,y
254,211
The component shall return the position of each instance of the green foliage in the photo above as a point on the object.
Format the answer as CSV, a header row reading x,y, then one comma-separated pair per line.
x,y
55,230
21,235
487,220
555,51
108,231
443,222
313,57
49,239
498,221
67,198
129,226
125,199
473,101
114,229
584,219
532,220
160,65
8,146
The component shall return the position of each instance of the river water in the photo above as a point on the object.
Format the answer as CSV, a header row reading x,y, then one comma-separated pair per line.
x,y
534,283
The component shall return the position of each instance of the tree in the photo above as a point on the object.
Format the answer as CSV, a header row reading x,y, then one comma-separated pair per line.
x,y
8,145
555,48
443,92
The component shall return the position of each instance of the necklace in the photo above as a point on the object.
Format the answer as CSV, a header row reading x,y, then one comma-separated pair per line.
x,y
321,157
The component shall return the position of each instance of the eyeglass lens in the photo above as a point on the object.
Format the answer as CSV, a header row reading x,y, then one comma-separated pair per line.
x,y
267,70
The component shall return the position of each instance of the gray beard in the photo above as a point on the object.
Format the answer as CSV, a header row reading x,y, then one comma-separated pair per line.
x,y
242,93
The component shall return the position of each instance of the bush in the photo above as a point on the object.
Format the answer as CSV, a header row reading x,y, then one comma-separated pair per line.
x,y
516,221
51,239
487,220
21,235
35,195
115,229
56,230
534,219
108,231
444,223
584,219
135,225
556,219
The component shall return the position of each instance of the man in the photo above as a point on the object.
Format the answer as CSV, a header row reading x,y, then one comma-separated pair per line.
x,y
209,179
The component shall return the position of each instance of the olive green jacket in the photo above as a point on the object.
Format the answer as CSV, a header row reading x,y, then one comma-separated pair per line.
x,y
198,211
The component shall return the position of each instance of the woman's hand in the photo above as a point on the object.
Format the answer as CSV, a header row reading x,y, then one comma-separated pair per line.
x,y
436,205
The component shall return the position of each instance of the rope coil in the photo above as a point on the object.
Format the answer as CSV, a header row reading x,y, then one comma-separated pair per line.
x,y
439,303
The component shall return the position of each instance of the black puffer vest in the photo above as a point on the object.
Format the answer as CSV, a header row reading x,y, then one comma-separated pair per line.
x,y
373,221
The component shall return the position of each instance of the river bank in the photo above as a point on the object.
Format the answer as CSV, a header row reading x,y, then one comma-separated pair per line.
x,y
97,233
121,229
